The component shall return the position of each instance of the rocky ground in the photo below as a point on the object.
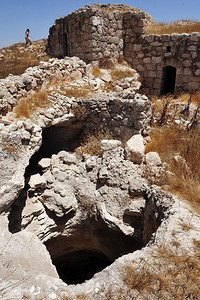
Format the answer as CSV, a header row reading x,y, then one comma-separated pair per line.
x,y
74,223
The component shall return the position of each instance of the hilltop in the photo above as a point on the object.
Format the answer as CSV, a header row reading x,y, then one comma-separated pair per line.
x,y
100,193
18,57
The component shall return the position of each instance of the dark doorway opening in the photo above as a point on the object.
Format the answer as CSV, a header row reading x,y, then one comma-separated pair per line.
x,y
66,50
168,80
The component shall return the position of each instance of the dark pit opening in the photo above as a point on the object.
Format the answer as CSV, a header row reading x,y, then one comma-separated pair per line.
x,y
81,265
92,247
168,49
168,80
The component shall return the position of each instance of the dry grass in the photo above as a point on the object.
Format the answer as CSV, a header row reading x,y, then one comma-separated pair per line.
x,y
170,141
92,144
172,275
123,9
96,71
26,106
79,112
17,58
118,74
78,92
184,26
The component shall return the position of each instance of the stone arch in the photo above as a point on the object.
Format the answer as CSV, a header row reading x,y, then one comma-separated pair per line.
x,y
168,80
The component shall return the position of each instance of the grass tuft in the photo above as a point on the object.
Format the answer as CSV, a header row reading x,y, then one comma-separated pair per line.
x,y
92,144
171,275
26,106
184,26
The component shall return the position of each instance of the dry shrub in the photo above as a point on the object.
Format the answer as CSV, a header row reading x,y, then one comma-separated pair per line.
x,y
96,71
26,106
171,275
92,144
78,92
79,112
184,26
15,60
121,74
196,98
173,141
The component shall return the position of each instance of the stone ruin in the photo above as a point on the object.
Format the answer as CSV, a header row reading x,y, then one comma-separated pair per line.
x,y
166,63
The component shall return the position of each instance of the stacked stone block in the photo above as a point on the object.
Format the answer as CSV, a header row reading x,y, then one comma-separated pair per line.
x,y
97,31
88,33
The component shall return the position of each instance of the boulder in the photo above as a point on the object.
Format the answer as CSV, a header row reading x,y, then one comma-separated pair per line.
x,y
37,181
134,149
153,159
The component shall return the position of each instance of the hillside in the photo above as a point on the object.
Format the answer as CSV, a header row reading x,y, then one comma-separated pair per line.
x,y
18,57
100,182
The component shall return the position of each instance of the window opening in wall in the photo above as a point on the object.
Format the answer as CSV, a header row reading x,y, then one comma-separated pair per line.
x,y
168,80
168,49
66,52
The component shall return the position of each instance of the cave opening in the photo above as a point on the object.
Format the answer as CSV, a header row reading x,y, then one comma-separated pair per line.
x,y
54,139
91,248
81,265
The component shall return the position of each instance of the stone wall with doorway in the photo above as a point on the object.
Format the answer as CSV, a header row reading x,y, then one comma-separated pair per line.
x,y
166,63
89,33
94,31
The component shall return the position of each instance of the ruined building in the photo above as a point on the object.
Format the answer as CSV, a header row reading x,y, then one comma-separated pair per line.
x,y
166,63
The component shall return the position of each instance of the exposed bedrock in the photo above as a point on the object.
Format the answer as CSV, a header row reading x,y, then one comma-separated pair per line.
x,y
88,210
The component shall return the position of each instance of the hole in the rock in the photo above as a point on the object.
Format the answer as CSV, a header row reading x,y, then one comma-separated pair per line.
x,y
81,265
54,139
92,247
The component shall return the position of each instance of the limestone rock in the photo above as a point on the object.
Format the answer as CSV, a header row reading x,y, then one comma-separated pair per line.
x,y
134,149
61,202
107,145
37,181
44,163
153,159
137,187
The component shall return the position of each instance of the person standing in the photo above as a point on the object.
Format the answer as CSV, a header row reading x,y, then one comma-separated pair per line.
x,y
27,35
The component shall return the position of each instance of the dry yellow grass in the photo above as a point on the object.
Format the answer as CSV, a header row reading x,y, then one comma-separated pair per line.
x,y
172,275
17,58
170,142
92,144
184,26
118,74
26,106
77,92
96,71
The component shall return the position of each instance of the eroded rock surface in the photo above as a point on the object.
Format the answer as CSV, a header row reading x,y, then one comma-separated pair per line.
x,y
94,213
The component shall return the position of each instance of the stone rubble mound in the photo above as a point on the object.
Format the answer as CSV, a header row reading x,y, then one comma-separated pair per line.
x,y
74,71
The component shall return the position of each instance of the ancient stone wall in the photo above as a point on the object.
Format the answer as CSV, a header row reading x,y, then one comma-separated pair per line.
x,y
166,63
88,33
